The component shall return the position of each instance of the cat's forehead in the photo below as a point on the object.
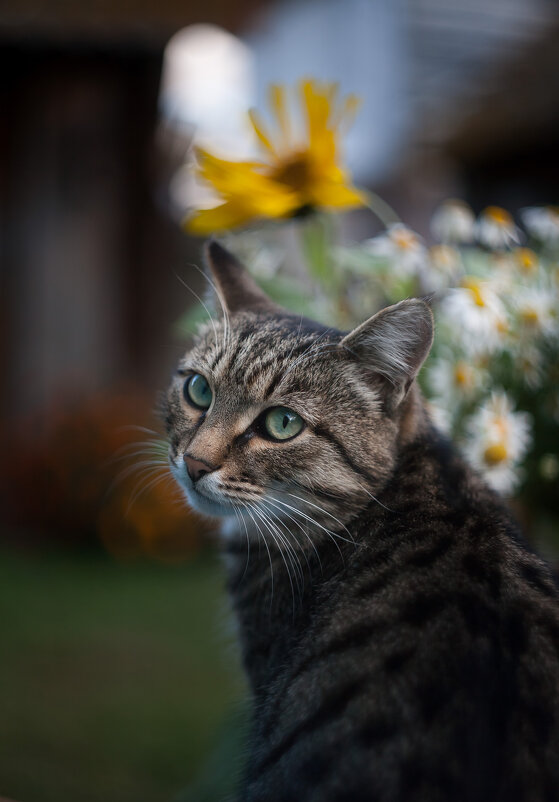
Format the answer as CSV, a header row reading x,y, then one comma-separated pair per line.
x,y
254,356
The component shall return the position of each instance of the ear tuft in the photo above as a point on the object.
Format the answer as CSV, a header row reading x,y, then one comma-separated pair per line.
x,y
394,343
237,289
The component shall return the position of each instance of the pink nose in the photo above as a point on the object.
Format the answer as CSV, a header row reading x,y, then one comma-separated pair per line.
x,y
196,468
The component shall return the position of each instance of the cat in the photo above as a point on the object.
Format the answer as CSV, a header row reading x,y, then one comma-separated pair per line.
x,y
400,640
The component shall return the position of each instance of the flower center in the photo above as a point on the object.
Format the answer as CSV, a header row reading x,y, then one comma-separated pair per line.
x,y
526,259
495,454
443,256
475,289
462,375
294,172
498,216
404,239
529,316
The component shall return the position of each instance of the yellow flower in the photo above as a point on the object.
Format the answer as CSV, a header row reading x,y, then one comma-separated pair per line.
x,y
295,177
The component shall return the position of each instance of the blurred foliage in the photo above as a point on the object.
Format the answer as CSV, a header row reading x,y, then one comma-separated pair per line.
x,y
82,472
114,682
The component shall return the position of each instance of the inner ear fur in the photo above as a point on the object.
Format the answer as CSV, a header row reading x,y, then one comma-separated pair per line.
x,y
236,288
394,343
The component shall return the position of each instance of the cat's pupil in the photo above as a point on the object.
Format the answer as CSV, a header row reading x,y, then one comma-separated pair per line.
x,y
285,421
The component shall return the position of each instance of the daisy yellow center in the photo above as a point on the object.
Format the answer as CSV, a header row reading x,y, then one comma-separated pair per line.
x,y
498,216
475,289
404,239
495,454
462,375
526,259
443,255
529,316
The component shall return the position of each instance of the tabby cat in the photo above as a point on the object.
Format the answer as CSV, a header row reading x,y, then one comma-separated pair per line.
x,y
400,639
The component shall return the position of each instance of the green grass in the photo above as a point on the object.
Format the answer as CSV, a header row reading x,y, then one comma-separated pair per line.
x,y
115,679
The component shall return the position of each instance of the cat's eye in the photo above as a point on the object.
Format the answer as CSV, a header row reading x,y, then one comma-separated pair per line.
x,y
197,391
282,423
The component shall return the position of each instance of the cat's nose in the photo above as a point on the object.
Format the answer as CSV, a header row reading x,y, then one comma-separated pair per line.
x,y
196,468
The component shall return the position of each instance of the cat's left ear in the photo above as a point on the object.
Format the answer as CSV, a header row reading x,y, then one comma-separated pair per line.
x,y
394,344
235,286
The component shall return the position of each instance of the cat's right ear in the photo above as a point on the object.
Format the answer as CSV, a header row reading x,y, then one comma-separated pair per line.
x,y
236,289
393,344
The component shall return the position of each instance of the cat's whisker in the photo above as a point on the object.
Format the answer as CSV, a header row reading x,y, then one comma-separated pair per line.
x,y
321,509
142,452
221,299
240,518
200,301
268,501
296,339
262,538
289,546
270,529
139,448
304,515
145,467
282,526
133,427
368,492
143,489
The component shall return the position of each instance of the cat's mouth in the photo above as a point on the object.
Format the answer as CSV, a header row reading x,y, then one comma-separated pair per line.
x,y
206,504
202,499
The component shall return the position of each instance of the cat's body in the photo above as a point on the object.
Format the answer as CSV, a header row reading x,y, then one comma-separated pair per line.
x,y
400,641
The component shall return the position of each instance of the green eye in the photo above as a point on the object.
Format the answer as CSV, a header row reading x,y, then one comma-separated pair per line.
x,y
282,423
197,391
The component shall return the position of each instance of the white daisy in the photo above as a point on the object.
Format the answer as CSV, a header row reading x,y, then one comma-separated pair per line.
x,y
535,311
402,246
476,316
529,363
495,228
498,439
440,416
453,379
453,222
526,262
443,267
542,222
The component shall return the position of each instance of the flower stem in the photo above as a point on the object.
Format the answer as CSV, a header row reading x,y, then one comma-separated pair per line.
x,y
381,209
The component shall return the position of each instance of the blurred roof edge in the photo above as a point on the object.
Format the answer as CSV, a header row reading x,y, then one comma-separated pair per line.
x,y
99,23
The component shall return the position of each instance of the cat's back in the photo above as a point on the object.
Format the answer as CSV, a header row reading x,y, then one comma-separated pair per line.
x,y
429,668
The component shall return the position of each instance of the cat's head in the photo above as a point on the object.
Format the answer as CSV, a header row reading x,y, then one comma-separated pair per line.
x,y
276,417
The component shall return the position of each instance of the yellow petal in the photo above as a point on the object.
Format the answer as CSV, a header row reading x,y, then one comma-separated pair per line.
x,y
347,112
317,108
224,174
221,218
260,131
279,106
337,196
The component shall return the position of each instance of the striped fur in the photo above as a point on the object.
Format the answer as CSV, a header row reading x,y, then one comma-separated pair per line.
x,y
401,641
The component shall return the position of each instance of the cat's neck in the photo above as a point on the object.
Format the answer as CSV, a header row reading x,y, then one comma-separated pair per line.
x,y
275,594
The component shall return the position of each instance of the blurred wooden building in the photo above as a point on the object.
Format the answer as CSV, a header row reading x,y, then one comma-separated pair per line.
x,y
86,256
